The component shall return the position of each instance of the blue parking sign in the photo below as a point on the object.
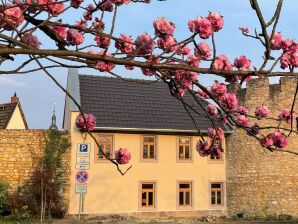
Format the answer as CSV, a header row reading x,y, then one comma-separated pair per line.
x,y
83,148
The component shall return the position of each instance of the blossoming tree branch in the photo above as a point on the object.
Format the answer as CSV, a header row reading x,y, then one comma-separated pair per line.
x,y
176,62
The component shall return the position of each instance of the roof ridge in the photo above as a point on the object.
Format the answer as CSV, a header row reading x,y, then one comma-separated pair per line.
x,y
111,77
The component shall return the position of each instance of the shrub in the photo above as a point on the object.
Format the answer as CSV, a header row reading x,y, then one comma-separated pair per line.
x,y
4,198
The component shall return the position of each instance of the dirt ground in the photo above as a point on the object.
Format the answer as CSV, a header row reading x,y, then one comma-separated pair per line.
x,y
130,220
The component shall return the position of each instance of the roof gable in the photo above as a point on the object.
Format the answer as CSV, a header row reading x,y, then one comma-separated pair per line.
x,y
119,104
6,113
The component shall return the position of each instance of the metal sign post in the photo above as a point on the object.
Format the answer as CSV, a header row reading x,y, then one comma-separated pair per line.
x,y
81,177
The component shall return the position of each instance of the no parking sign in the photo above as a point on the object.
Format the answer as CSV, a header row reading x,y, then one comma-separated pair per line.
x,y
82,176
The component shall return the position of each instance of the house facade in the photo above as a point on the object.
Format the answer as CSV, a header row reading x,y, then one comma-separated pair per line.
x,y
12,115
167,177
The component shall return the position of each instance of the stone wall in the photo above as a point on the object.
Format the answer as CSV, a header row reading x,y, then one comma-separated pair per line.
x,y
260,182
20,151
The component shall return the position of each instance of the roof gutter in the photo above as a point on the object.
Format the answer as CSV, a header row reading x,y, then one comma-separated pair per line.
x,y
151,130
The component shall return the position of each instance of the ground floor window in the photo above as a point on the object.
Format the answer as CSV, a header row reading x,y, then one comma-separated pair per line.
x,y
216,193
185,194
147,195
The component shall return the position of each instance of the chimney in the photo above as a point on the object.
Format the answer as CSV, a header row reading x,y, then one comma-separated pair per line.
x,y
14,98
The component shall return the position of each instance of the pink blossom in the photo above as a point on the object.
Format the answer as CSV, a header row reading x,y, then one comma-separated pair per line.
x,y
11,17
163,27
81,24
242,63
89,10
106,6
242,110
285,115
290,56
203,94
286,44
219,133
202,148
216,21
55,8
202,26
202,51
186,78
74,37
183,50
276,42
222,63
229,101
60,30
89,124
224,120
101,65
76,3
144,44
262,111
129,67
244,29
120,2
122,156
280,140
192,60
266,141
211,110
218,89
102,41
242,120
98,24
167,43
31,40
125,44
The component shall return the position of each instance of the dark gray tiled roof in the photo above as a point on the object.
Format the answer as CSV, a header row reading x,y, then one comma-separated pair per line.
x,y
121,104
6,111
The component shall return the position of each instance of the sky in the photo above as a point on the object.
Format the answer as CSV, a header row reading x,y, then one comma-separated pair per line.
x,y
38,93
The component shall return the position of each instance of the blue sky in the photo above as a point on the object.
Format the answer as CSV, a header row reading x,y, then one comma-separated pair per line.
x,y
38,94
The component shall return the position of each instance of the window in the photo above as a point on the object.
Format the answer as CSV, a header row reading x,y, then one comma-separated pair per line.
x,y
106,142
217,193
184,194
184,148
148,195
149,147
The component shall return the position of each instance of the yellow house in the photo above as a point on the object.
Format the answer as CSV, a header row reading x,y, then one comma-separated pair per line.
x,y
168,177
12,115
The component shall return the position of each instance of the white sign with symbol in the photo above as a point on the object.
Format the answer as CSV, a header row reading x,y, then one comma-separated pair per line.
x,y
81,188
83,156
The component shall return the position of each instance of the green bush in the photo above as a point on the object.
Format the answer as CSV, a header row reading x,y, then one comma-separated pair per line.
x,y
4,198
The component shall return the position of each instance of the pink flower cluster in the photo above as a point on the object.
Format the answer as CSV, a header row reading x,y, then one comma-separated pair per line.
x,y
289,47
74,37
89,124
222,62
125,44
204,149
31,40
229,101
218,89
144,44
185,78
218,134
122,156
183,50
285,115
167,43
202,51
60,30
102,41
120,2
242,110
11,17
101,65
262,111
211,110
242,120
277,139
242,63
163,27
203,94
76,3
206,26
